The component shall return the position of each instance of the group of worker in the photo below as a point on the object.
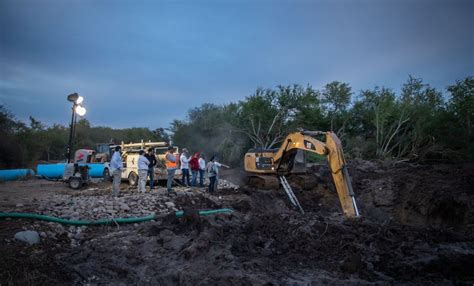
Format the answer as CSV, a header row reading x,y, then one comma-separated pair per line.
x,y
197,164
147,162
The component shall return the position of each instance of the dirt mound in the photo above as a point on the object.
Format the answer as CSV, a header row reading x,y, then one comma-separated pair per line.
x,y
372,251
435,195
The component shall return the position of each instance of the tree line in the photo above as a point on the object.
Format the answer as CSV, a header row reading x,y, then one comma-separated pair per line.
x,y
24,144
420,124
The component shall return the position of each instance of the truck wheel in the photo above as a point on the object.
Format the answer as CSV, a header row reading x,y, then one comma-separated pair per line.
x,y
75,183
106,174
132,179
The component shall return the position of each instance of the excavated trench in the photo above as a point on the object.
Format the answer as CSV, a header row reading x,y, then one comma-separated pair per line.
x,y
416,228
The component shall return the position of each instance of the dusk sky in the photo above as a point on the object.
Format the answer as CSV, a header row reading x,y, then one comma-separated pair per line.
x,y
145,63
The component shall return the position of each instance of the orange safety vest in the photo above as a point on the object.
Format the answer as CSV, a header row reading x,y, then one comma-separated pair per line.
x,y
169,164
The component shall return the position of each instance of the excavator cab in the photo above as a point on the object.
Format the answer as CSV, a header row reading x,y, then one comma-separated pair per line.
x,y
267,168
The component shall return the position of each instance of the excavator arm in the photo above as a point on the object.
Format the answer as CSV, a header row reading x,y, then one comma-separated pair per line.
x,y
332,149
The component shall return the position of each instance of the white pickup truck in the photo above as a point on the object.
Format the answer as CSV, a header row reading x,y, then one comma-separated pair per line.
x,y
130,161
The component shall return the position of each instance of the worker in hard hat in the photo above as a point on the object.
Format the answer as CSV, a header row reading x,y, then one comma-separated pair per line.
x,y
171,166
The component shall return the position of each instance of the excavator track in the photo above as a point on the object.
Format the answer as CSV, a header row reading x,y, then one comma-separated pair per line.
x,y
263,182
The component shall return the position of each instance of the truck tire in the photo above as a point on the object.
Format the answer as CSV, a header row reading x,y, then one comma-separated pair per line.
x,y
133,179
107,176
75,183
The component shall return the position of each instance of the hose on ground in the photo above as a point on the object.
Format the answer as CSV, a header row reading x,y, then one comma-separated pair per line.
x,y
102,221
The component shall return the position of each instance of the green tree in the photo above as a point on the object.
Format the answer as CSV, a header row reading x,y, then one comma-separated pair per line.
x,y
461,112
336,97
424,106
9,147
375,123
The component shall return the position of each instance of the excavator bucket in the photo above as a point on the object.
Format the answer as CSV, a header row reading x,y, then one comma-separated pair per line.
x,y
337,164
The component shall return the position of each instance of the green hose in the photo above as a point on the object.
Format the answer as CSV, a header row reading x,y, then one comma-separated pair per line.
x,y
101,221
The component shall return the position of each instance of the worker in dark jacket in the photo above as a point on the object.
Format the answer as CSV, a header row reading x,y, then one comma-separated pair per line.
x,y
194,166
151,167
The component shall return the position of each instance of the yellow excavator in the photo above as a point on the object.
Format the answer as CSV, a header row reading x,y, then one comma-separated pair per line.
x,y
267,167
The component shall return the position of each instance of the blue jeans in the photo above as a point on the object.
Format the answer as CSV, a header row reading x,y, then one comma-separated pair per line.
x,y
212,182
169,182
186,176
195,174
201,178
151,174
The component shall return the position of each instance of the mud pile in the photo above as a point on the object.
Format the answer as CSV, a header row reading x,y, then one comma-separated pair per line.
x,y
432,195
417,228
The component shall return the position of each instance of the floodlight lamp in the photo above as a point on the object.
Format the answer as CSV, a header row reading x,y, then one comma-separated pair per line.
x,y
81,111
79,100
73,97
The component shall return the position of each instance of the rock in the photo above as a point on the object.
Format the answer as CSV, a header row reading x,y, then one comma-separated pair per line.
x,y
59,229
43,234
124,207
224,184
169,204
79,236
181,194
29,236
166,233
20,205
51,235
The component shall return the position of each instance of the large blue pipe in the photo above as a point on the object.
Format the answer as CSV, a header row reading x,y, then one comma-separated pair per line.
x,y
96,170
55,171
15,174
